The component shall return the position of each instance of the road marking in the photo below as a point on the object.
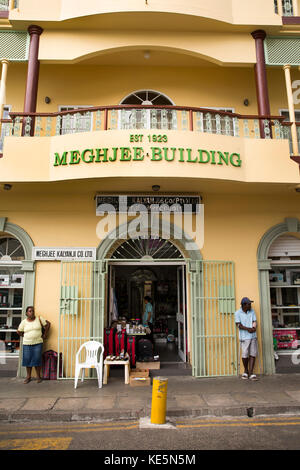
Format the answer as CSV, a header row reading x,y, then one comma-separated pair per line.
x,y
237,424
239,420
70,429
78,424
61,443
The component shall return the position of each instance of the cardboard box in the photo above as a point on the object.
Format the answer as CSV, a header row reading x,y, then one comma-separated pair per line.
x,y
139,373
139,381
148,365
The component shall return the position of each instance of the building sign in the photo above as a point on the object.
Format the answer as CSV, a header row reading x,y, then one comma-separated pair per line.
x,y
138,154
64,254
154,203
141,147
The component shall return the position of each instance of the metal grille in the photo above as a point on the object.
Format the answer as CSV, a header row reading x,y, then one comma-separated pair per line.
x,y
146,247
214,330
287,7
281,51
14,45
4,5
81,316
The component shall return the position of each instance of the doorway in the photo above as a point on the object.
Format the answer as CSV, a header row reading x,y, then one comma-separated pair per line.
x,y
165,284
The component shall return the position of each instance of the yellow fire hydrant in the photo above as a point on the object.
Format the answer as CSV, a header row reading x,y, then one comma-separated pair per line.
x,y
159,400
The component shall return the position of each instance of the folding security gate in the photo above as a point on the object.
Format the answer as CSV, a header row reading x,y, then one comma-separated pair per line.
x,y
81,317
214,348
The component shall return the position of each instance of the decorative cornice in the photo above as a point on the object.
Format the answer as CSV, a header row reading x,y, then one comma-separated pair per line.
x,y
28,265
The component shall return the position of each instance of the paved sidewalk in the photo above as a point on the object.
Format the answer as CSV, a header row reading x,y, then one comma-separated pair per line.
x,y
187,397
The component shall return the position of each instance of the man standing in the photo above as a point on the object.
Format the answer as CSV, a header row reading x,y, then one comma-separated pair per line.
x,y
245,320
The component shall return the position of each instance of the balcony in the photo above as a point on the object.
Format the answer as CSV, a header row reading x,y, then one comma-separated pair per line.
x,y
95,142
190,15
147,117
287,8
7,5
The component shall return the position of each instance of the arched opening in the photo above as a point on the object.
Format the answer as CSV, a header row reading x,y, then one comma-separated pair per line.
x,y
11,249
16,292
284,254
279,268
153,267
148,118
12,283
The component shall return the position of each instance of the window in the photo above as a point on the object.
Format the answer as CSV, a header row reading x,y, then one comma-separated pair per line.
x,y
286,114
147,118
73,123
287,7
5,128
11,249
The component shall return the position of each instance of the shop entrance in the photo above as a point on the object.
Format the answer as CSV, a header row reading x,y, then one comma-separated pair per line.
x,y
165,284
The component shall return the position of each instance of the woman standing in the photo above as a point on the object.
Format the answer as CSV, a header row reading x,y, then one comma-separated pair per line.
x,y
31,330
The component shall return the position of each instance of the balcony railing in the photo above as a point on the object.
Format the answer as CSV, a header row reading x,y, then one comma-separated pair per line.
x,y
286,7
149,117
6,5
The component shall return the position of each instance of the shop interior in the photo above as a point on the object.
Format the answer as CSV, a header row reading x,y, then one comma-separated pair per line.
x,y
285,302
164,284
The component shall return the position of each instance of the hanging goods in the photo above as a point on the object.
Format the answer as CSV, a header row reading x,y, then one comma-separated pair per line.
x,y
120,342
109,341
131,349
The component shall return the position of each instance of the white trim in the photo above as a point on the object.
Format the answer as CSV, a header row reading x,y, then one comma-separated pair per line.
x,y
297,111
151,91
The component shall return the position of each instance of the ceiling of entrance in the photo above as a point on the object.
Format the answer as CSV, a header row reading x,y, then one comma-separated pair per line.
x,y
156,58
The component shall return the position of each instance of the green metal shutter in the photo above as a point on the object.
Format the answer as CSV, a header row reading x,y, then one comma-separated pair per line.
x,y
214,347
82,301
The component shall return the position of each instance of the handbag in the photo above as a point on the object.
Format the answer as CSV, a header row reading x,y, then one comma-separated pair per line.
x,y
43,328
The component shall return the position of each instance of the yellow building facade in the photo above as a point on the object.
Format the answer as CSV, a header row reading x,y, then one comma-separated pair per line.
x,y
192,106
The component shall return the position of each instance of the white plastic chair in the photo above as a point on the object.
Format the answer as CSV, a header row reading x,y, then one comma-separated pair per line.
x,y
91,360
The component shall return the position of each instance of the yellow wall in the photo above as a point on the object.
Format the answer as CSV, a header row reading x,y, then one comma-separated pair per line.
x,y
234,225
101,85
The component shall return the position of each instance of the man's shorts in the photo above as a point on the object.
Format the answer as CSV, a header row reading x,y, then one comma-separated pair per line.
x,y
249,347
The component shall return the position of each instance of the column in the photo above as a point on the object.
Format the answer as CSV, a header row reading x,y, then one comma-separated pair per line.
x,y
261,78
5,65
33,71
289,91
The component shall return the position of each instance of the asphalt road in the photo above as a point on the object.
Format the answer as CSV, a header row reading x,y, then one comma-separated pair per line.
x,y
268,433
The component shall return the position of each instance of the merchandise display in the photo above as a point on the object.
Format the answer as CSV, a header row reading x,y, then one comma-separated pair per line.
x,y
11,300
123,339
285,305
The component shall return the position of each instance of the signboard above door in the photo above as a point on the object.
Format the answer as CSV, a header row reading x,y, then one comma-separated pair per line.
x,y
155,203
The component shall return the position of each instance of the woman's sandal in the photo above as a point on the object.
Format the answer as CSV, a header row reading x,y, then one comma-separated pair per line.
x,y
39,380
27,380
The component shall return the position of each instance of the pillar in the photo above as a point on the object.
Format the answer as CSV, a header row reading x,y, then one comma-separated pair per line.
x,y
261,78
32,74
289,91
5,65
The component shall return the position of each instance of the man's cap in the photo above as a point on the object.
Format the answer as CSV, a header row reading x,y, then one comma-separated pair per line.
x,y
245,300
